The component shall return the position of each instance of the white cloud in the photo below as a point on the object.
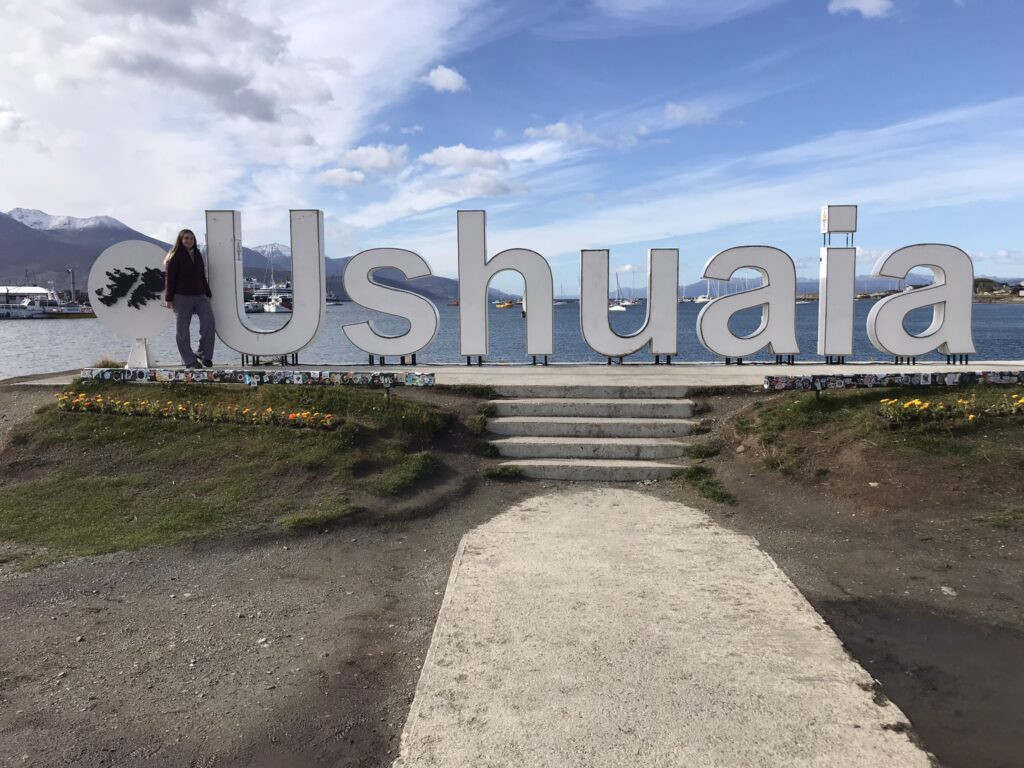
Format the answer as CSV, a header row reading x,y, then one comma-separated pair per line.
x,y
170,11
1008,256
444,79
12,123
959,157
411,129
560,131
869,9
340,177
375,157
868,257
690,113
428,193
463,158
616,18
155,110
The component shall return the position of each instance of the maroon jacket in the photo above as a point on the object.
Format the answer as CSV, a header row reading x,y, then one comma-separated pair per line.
x,y
186,274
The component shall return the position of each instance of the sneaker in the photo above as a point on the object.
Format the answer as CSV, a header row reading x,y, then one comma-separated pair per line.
x,y
207,362
196,364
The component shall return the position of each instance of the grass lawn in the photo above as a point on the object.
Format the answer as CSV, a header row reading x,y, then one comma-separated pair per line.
x,y
87,483
954,422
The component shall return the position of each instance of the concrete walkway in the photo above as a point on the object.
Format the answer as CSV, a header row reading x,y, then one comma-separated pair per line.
x,y
610,628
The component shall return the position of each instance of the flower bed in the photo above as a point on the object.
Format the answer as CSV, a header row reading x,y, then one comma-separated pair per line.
x,y
897,411
187,410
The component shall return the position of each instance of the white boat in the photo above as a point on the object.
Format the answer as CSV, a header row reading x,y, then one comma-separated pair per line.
x,y
35,303
705,297
27,309
254,307
279,302
618,304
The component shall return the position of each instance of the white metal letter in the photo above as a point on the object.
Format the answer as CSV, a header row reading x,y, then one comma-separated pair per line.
x,y
309,287
951,297
836,276
419,311
476,273
776,297
660,327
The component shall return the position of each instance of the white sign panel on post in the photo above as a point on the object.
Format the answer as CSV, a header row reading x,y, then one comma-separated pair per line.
x,y
126,286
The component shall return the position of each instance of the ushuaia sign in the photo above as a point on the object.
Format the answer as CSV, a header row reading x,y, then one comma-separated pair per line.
x,y
949,295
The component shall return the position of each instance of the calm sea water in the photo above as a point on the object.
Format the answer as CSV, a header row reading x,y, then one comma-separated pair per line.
x,y
40,346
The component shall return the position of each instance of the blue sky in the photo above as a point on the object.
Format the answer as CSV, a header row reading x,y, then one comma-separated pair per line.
x,y
620,124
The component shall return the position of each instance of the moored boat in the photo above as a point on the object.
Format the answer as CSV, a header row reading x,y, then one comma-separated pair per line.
x,y
280,302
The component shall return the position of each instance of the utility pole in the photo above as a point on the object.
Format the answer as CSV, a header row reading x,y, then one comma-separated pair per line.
x,y
71,271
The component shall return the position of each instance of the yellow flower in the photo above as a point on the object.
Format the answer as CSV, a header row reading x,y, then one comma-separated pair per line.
x,y
970,417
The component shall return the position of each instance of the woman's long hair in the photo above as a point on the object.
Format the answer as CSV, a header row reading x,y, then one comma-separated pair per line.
x,y
179,247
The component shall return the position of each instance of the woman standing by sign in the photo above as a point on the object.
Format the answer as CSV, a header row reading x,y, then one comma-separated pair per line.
x,y
187,292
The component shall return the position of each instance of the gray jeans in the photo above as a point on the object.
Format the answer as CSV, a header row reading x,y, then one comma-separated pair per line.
x,y
184,308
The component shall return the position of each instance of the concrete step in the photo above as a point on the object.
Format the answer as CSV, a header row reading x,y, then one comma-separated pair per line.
x,y
600,407
647,448
524,390
608,470
576,426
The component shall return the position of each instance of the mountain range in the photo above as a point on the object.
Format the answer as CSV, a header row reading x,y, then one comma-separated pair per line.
x,y
36,247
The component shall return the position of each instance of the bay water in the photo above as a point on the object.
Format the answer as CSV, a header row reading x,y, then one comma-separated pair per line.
x,y
41,346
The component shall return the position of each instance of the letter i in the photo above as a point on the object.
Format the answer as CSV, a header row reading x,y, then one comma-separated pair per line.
x,y
836,277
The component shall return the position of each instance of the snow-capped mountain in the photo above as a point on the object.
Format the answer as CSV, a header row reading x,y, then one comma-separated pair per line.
x,y
35,246
275,252
37,219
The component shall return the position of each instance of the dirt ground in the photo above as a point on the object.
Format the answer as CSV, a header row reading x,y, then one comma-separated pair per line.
x,y
305,649
280,650
898,552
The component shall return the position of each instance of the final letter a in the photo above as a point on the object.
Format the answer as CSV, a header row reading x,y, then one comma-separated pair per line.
x,y
951,298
